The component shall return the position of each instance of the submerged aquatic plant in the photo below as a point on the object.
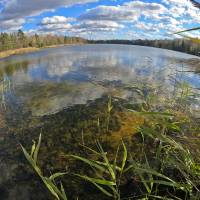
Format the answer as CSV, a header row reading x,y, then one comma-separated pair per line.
x,y
165,168
168,171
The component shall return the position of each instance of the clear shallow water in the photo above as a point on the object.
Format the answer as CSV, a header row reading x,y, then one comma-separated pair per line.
x,y
60,92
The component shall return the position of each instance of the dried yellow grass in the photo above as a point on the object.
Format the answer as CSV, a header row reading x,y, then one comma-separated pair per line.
x,y
7,53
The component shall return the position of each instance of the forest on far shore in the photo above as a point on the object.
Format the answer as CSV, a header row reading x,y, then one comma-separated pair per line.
x,y
10,41
182,45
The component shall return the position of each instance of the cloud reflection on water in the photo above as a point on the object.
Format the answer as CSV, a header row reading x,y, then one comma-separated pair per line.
x,y
53,79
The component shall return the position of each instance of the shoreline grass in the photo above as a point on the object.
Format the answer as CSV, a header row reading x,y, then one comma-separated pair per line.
x,y
5,54
11,52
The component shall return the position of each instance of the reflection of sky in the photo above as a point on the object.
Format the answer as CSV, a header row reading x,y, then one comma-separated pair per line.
x,y
192,78
83,64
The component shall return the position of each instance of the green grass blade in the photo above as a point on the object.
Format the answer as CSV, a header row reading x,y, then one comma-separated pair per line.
x,y
33,149
124,156
155,173
145,183
35,155
110,107
28,157
52,188
188,30
149,171
88,148
115,192
89,162
170,184
117,168
103,190
97,181
63,192
56,175
197,40
31,161
108,165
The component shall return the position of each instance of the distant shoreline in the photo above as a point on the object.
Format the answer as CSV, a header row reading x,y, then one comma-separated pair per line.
x,y
20,51
179,45
11,52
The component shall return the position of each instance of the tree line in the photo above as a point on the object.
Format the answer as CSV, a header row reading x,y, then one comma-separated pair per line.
x,y
19,39
182,45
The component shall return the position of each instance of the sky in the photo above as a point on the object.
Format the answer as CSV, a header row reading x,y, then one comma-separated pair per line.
x,y
100,19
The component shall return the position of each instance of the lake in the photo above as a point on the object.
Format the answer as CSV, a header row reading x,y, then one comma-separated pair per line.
x,y
63,93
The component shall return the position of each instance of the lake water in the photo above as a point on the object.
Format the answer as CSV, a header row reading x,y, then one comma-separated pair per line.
x,y
63,91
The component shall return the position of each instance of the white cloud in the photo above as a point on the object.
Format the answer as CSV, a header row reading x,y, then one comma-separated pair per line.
x,y
56,20
157,18
23,8
146,8
14,10
183,9
61,25
149,19
177,2
96,26
115,13
130,11
147,27
55,24
12,24
54,28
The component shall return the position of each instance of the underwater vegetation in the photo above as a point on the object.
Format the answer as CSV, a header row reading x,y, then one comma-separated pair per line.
x,y
126,150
